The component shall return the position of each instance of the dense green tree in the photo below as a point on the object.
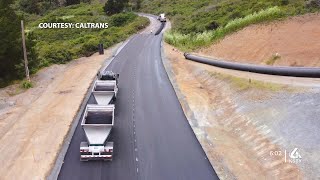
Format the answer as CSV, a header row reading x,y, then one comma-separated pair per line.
x,y
11,54
10,42
115,6
33,61
30,6
72,2
138,4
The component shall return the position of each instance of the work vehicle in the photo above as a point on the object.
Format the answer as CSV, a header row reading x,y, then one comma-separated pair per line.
x,y
162,18
98,118
105,86
105,92
97,123
108,75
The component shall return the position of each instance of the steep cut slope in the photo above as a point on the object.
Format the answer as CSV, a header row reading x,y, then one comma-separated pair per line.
x,y
293,42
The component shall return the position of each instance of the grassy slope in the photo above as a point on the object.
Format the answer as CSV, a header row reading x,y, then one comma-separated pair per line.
x,y
62,45
195,17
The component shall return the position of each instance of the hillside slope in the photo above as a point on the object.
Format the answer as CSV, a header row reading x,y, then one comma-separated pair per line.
x,y
190,16
293,42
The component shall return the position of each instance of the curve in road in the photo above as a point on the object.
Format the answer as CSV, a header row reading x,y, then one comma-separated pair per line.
x,y
152,137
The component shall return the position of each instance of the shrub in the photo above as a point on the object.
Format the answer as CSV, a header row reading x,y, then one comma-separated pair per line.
x,y
26,84
89,47
57,54
122,19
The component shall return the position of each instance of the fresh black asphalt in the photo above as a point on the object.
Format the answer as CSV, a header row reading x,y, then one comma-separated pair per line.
x,y
152,137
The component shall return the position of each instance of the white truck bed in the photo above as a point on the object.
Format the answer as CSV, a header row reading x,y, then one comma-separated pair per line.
x,y
104,97
97,123
105,85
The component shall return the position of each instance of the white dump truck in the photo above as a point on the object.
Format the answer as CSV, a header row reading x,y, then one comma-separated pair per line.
x,y
162,18
97,124
105,92
98,119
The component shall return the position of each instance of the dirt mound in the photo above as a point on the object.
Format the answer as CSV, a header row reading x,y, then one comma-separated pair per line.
x,y
292,42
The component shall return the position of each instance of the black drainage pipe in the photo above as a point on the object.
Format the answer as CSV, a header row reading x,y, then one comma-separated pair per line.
x,y
280,70
160,28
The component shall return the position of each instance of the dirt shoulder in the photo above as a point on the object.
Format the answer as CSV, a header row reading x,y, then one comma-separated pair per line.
x,y
292,42
240,120
34,123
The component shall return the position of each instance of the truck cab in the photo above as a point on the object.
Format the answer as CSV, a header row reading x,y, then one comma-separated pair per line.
x,y
162,18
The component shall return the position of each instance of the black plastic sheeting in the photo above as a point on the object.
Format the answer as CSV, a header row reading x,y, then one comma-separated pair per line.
x,y
280,70
160,28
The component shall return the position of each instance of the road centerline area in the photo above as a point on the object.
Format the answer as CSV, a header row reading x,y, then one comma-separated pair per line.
x,y
152,137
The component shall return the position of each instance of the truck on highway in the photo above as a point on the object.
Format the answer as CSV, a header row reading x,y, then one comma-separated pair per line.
x,y
105,89
97,123
162,18
98,119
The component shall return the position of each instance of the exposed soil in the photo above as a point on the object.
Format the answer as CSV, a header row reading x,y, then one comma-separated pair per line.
x,y
292,42
241,122
34,122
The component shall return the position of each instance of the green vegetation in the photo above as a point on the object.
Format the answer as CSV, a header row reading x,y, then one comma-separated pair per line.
x,y
115,6
206,21
62,45
243,84
54,46
273,59
41,7
11,64
192,41
26,84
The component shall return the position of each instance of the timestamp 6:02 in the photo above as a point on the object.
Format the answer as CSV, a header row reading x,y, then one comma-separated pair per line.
x,y
275,153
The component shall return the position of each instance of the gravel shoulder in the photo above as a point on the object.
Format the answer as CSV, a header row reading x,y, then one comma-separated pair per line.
x,y
239,118
34,123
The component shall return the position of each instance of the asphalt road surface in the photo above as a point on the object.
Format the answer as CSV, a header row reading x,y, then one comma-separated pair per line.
x,y
152,137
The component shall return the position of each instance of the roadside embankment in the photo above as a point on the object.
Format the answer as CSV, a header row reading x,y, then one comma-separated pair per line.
x,y
291,42
33,124
242,118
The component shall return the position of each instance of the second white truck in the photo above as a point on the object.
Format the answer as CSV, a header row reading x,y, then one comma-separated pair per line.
x,y
162,18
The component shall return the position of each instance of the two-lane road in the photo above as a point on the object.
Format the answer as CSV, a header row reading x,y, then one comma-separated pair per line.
x,y
152,137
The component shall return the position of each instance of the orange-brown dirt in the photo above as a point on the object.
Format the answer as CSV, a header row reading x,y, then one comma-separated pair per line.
x,y
34,123
237,146
291,42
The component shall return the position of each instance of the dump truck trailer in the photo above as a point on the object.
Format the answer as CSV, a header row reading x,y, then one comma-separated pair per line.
x,y
97,123
98,118
105,91
105,86
104,97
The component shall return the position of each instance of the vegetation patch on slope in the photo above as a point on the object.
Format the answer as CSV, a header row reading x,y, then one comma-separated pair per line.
x,y
193,41
54,46
212,19
62,45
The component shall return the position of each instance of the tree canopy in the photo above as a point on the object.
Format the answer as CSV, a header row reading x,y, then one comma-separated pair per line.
x,y
10,42
115,6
